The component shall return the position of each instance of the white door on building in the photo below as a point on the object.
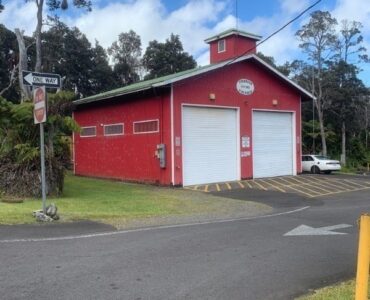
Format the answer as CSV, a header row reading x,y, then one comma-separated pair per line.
x,y
273,144
209,145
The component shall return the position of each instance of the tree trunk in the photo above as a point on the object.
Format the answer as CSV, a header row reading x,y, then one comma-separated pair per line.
x,y
322,133
40,5
22,65
320,117
343,155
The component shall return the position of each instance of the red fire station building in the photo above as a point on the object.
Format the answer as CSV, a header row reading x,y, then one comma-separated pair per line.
x,y
236,118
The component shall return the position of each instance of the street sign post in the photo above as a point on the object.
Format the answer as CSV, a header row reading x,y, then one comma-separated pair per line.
x,y
39,114
41,79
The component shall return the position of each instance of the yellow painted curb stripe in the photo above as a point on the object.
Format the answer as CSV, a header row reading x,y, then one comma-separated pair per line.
x,y
240,184
274,186
260,185
218,187
248,184
228,185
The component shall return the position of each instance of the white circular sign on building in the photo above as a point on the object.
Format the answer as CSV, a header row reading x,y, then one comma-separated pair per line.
x,y
245,87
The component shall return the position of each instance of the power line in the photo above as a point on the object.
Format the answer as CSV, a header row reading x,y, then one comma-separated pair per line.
x,y
275,32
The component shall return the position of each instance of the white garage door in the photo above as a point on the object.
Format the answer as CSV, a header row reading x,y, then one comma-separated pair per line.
x,y
272,144
209,145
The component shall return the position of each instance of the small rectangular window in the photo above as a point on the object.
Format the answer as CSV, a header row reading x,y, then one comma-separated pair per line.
x,y
113,129
149,126
221,46
88,131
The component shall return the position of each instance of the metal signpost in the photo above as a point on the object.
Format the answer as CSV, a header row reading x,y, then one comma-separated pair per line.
x,y
39,114
40,81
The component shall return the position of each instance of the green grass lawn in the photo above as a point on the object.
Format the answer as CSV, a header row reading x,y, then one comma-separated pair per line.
x,y
115,202
341,291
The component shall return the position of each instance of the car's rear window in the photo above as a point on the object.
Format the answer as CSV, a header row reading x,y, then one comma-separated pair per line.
x,y
322,157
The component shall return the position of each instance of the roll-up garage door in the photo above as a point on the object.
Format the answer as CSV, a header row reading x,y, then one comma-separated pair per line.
x,y
272,144
209,145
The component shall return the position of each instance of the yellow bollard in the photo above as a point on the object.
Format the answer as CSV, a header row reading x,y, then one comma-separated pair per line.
x,y
363,259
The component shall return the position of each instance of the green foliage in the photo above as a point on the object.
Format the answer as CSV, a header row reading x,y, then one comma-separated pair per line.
x,y
84,69
19,148
126,54
166,58
357,151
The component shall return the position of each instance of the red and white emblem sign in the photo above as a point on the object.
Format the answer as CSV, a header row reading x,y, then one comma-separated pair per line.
x,y
39,100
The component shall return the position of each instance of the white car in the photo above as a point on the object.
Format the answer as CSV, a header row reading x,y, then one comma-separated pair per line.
x,y
319,163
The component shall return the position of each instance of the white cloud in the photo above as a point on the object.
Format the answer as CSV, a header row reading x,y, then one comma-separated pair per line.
x,y
150,20
354,10
293,6
18,14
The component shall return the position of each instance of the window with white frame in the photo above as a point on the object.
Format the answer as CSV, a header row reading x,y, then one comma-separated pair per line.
x,y
148,126
88,131
221,46
113,129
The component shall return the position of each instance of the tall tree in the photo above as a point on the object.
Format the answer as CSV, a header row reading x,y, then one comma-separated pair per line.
x,y
318,41
126,53
166,58
349,45
8,64
350,42
53,5
346,92
102,76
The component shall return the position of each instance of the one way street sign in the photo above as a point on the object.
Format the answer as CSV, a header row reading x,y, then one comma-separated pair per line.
x,y
41,79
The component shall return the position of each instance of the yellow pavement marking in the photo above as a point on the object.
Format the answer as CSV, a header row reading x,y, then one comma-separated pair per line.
x,y
249,185
228,185
218,187
338,192
277,182
286,180
302,192
260,185
206,188
344,184
240,184
274,186
297,180
327,182
352,182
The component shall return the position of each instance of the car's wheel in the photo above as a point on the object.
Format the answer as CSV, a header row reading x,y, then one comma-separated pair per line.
x,y
315,170
327,172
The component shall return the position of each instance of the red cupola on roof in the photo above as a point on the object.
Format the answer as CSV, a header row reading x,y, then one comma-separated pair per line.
x,y
230,44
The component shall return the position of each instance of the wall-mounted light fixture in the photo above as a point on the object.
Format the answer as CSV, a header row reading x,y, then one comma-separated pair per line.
x,y
212,96
275,102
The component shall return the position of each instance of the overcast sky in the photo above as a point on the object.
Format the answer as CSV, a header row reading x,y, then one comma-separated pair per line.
x,y
195,20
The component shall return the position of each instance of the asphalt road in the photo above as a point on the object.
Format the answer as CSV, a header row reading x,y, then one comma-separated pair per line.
x,y
234,259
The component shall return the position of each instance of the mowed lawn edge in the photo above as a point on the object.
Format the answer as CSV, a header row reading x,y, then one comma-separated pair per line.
x,y
339,291
116,203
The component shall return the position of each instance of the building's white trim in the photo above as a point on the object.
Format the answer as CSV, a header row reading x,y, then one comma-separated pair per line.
x,y
172,138
233,61
144,121
300,131
87,136
73,146
294,136
218,46
106,125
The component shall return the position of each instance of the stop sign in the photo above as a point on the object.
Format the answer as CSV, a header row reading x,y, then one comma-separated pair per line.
x,y
39,101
